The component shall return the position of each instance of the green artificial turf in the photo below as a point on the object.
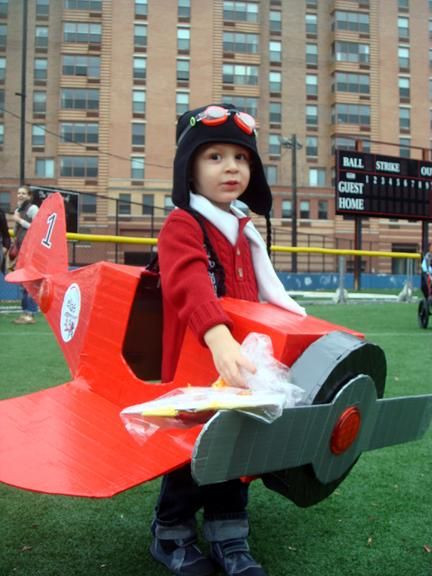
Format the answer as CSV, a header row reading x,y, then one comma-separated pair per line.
x,y
377,523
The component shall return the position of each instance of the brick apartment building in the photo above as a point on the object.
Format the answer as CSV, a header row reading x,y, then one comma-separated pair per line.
x,y
105,81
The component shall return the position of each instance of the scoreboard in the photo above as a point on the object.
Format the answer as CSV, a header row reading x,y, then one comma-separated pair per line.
x,y
383,186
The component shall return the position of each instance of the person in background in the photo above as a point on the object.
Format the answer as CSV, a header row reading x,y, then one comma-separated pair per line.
x,y
5,240
208,248
23,217
426,272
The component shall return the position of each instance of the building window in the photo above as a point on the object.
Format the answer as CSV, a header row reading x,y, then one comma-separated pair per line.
x,y
404,57
311,85
311,24
1,134
305,209
240,11
351,82
275,21
312,54
240,74
403,4
2,98
88,5
138,134
348,143
351,52
2,69
38,135
141,7
79,99
404,87
183,9
5,202
182,103
403,28
243,103
140,36
322,209
239,42
79,166
404,147
404,118
287,209
183,70
124,204
40,71
168,204
44,168
139,102
275,82
311,146
80,132
275,51
351,114
82,33
352,21
88,203
183,39
274,145
317,177
275,113
147,207
271,173
311,115
39,102
139,68
137,167
74,65
41,37
4,8
3,35
42,8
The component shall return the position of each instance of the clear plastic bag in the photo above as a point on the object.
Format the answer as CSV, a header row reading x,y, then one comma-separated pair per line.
x,y
268,392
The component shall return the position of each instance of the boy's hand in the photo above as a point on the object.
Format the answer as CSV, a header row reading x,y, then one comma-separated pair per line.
x,y
227,355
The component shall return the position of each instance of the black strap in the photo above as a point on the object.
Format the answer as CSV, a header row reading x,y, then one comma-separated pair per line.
x,y
215,269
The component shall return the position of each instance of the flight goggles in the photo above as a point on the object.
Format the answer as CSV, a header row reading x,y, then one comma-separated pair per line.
x,y
217,115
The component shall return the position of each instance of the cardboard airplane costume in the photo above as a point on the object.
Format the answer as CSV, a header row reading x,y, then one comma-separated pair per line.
x,y
70,439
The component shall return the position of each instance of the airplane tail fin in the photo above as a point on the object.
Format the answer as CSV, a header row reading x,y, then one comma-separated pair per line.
x,y
44,249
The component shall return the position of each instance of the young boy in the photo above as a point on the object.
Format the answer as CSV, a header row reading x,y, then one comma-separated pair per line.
x,y
208,248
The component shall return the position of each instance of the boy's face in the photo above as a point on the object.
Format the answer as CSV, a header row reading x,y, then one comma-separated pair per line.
x,y
221,173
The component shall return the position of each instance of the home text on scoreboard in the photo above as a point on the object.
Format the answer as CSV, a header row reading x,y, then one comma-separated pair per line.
x,y
383,186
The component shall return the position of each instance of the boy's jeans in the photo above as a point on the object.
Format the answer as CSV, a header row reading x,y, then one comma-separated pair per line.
x,y
180,498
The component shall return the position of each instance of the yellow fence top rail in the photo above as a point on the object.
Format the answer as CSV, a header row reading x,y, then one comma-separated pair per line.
x,y
275,248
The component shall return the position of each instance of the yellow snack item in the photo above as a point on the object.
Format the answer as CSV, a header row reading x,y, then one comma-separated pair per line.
x,y
219,383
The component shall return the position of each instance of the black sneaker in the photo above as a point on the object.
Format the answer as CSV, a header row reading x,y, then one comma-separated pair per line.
x,y
235,558
182,557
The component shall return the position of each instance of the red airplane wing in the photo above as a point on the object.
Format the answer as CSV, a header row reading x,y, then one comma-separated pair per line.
x,y
70,440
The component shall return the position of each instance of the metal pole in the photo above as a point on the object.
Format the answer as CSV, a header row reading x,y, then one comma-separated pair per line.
x,y
22,94
294,202
117,228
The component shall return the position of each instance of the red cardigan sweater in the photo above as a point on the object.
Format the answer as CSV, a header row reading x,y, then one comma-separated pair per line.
x,y
189,299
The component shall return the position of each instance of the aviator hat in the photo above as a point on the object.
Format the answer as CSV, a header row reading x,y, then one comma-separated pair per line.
x,y
191,134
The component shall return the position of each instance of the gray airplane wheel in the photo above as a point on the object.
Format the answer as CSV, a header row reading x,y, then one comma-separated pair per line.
x,y
322,370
